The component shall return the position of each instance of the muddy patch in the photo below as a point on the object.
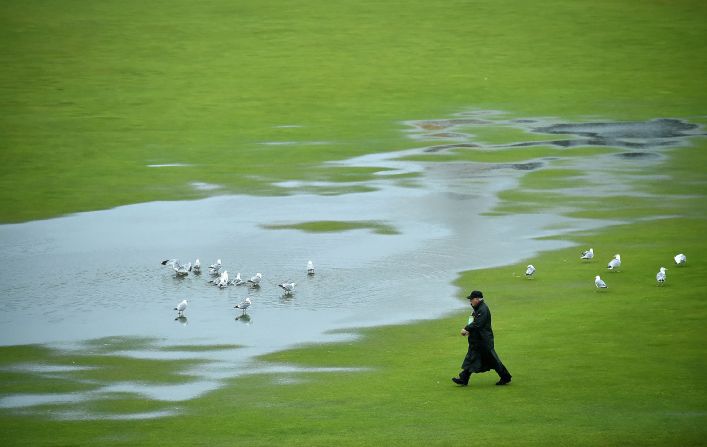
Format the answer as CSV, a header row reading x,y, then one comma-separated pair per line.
x,y
633,135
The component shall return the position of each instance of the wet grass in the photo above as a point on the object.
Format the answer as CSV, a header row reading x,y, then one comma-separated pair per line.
x,y
328,226
94,92
84,369
492,135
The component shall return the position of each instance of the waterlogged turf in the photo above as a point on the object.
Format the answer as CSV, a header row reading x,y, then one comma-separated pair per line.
x,y
326,226
118,103
593,367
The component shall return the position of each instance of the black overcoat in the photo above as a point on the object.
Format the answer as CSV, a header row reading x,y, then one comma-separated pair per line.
x,y
481,356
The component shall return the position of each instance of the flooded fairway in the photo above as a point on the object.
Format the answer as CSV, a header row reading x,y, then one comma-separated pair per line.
x,y
85,283
98,274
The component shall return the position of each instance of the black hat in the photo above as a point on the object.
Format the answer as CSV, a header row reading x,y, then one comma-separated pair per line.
x,y
475,294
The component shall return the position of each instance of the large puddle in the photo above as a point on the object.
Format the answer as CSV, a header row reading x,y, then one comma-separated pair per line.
x,y
97,275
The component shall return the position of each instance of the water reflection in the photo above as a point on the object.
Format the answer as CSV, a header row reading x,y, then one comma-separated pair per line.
x,y
181,319
243,318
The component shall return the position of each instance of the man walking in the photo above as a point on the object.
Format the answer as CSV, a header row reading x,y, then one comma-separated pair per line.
x,y
481,356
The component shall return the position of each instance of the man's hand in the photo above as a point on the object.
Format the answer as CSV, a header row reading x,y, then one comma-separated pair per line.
x,y
465,333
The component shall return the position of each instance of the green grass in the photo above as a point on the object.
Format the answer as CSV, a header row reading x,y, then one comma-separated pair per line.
x,y
93,92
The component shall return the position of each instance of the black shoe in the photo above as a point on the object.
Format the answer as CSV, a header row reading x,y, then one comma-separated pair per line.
x,y
505,381
459,381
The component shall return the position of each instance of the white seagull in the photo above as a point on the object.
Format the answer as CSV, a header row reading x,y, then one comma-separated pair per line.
x,y
310,268
529,271
180,269
660,276
599,283
288,287
181,307
680,259
589,254
254,281
245,304
615,263
237,281
197,267
215,269
223,279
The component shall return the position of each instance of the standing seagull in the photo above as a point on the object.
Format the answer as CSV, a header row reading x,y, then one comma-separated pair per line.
x,y
181,270
310,268
181,307
599,283
215,269
197,267
245,304
660,276
680,259
589,254
288,287
615,263
529,271
254,281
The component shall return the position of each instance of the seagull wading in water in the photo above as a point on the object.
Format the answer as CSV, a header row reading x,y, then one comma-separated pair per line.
x,y
680,259
529,271
237,281
660,276
614,263
215,269
310,268
288,287
599,283
254,281
181,307
243,305
589,254
181,270
197,267
223,280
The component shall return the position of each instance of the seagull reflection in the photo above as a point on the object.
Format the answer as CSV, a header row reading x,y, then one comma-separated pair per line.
x,y
243,318
182,319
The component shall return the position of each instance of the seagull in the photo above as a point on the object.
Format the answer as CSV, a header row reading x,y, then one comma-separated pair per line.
x,y
529,271
615,263
660,276
589,254
215,269
599,283
288,287
237,281
197,267
310,268
255,280
680,259
181,270
223,279
245,304
181,307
